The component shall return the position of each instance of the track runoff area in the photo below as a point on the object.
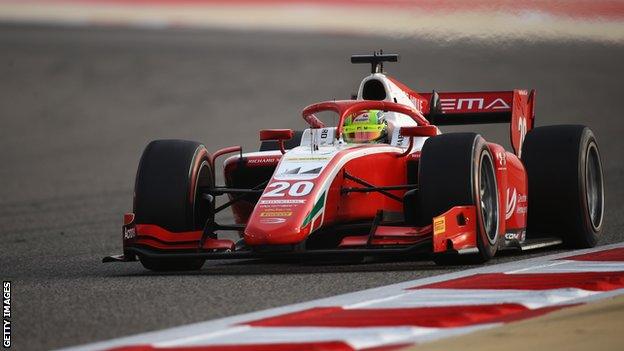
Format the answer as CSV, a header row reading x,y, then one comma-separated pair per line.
x,y
405,314
595,20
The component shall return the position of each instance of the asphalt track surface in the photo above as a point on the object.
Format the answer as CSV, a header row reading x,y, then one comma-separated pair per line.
x,y
78,105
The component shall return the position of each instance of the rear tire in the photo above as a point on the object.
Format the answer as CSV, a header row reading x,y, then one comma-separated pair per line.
x,y
457,169
566,184
166,193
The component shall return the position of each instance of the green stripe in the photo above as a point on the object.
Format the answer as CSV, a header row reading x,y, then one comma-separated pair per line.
x,y
315,210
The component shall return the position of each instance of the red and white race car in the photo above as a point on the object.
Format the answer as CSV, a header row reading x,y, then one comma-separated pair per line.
x,y
313,192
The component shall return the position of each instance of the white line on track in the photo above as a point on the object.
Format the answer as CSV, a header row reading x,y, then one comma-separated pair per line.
x,y
202,337
522,270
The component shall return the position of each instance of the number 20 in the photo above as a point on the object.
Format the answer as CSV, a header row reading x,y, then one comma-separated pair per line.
x,y
296,189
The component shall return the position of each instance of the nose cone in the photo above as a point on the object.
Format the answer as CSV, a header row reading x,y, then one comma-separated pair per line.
x,y
283,221
273,231
292,200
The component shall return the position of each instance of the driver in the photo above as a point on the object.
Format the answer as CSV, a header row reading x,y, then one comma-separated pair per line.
x,y
367,127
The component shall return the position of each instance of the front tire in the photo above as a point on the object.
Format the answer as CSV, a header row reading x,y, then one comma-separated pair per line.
x,y
166,193
457,169
566,184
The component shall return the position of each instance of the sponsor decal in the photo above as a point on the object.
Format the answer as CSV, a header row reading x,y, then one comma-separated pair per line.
x,y
472,104
269,213
439,225
261,161
311,158
502,159
282,202
521,210
129,232
278,207
361,118
516,236
513,203
272,220
418,103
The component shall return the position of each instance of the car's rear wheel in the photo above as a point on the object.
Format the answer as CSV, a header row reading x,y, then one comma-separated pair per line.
x,y
457,169
566,184
166,193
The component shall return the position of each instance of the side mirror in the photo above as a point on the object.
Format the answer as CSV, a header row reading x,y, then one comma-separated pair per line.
x,y
278,135
419,131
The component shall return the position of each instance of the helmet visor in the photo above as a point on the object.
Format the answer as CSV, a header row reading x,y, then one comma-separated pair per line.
x,y
362,133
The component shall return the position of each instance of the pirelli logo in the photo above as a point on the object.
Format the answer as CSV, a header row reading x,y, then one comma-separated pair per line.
x,y
439,225
276,214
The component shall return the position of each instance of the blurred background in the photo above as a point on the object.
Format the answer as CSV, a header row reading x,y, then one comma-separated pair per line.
x,y
86,84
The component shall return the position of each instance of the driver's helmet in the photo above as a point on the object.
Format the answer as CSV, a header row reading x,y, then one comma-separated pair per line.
x,y
367,127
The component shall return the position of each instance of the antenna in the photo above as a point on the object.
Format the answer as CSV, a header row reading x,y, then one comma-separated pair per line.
x,y
376,60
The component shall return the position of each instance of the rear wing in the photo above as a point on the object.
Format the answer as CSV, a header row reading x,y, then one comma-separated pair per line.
x,y
455,108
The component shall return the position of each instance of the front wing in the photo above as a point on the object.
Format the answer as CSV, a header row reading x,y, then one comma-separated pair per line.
x,y
452,232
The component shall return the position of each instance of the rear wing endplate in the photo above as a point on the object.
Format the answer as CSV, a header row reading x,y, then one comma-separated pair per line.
x,y
455,108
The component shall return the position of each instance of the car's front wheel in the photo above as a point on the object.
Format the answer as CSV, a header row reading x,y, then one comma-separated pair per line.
x,y
166,193
457,169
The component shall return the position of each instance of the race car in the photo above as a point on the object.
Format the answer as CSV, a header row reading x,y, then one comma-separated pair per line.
x,y
383,181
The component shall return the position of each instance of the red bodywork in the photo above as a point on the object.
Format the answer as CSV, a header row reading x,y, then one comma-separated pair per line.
x,y
291,209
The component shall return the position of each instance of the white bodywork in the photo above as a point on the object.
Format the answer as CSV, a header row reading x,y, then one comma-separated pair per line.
x,y
325,138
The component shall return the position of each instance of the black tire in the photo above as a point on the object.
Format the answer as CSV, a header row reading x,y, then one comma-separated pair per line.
x,y
165,193
566,184
288,144
458,169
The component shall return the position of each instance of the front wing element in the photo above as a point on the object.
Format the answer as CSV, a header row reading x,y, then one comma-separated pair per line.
x,y
453,231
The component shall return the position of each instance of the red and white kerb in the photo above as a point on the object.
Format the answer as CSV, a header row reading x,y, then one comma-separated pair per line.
x,y
395,316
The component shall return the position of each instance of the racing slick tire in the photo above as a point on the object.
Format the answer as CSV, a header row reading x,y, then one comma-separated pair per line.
x,y
457,169
166,193
566,184
291,143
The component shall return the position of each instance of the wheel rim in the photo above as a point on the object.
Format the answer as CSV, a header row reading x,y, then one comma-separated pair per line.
x,y
594,189
201,207
488,198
